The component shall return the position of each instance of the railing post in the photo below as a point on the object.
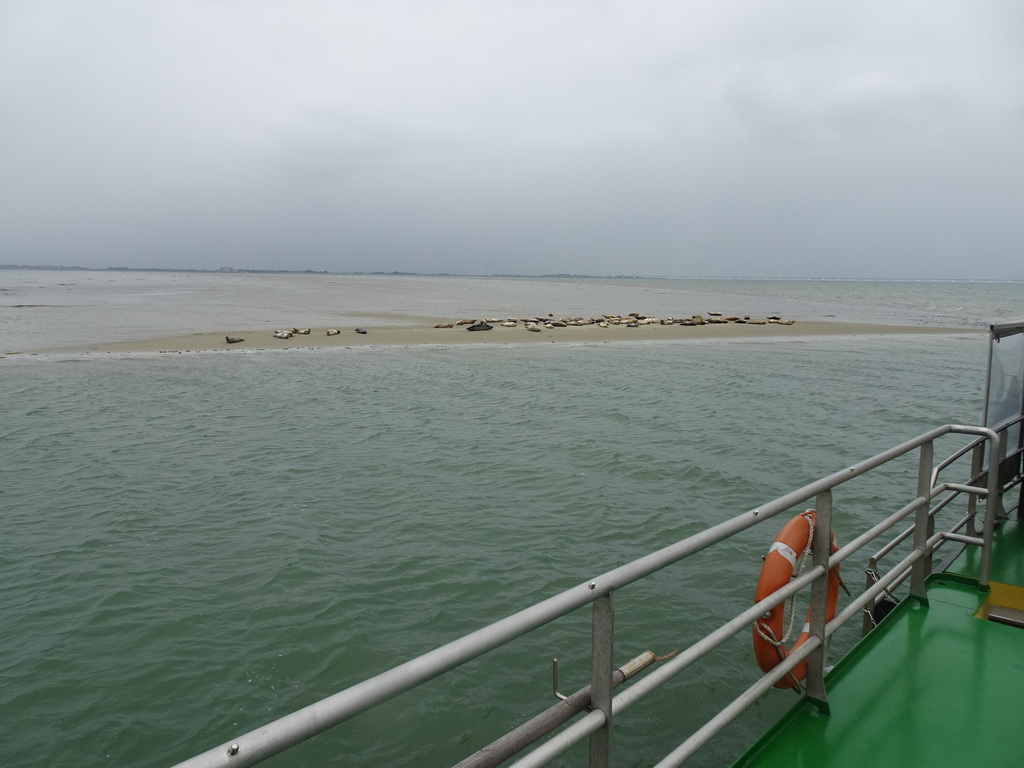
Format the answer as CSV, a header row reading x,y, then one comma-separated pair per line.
x,y
821,547
1000,511
923,524
602,648
977,466
993,506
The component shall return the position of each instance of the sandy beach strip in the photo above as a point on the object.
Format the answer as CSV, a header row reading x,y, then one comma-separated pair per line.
x,y
409,335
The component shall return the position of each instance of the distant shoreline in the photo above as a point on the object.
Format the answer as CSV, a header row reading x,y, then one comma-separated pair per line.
x,y
409,335
554,276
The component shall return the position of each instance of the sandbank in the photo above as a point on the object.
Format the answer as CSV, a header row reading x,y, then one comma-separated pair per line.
x,y
413,335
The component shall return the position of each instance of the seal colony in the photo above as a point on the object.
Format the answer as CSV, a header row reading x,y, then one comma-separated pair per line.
x,y
537,324
632,320
548,329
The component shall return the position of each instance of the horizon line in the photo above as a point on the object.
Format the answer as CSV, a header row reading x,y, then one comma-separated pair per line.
x,y
559,275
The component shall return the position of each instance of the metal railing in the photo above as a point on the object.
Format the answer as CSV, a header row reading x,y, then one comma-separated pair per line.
x,y
598,592
979,478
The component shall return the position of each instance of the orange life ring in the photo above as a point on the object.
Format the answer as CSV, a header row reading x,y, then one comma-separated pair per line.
x,y
776,572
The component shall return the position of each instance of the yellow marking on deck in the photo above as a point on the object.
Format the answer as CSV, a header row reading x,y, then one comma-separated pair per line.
x,y
1002,596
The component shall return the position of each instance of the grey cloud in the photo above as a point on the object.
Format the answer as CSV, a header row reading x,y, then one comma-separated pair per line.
x,y
795,138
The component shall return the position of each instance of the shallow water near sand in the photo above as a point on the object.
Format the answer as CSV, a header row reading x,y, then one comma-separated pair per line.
x,y
44,309
197,544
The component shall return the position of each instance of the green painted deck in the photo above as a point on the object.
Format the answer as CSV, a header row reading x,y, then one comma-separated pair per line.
x,y
931,686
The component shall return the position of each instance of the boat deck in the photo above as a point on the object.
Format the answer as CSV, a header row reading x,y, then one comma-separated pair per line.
x,y
934,684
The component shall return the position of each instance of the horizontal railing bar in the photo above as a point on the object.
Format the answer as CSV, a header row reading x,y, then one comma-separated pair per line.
x,y
953,496
951,556
315,718
938,539
899,572
972,540
634,693
932,545
967,489
536,728
709,642
904,535
644,566
714,639
725,716
999,428
900,538
961,523
878,529
705,733
1013,484
1004,425
565,739
583,728
950,460
886,580
578,731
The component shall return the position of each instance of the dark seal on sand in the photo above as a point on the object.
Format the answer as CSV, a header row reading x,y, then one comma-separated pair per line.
x,y
481,326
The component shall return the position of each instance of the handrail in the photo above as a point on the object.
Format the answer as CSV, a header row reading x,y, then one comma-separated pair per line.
x,y
304,723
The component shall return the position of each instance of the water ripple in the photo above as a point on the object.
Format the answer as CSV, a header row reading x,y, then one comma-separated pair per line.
x,y
194,548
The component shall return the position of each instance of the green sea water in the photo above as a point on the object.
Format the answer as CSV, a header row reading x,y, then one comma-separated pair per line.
x,y
195,545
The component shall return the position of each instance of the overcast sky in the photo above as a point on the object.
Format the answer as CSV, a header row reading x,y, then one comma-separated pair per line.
x,y
793,138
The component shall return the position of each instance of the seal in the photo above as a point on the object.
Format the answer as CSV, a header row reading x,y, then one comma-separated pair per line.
x,y
333,331
480,326
232,339
282,334
360,330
